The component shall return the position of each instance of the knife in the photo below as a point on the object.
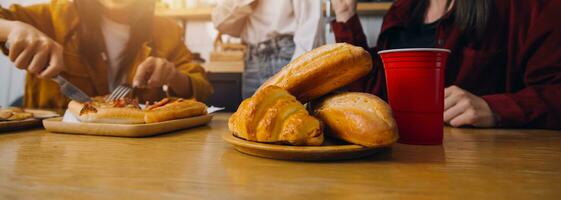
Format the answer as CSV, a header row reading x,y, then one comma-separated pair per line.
x,y
70,90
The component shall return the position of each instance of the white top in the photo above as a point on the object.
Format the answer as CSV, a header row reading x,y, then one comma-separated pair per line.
x,y
255,21
116,37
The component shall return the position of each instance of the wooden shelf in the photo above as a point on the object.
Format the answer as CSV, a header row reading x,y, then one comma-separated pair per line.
x,y
197,14
204,13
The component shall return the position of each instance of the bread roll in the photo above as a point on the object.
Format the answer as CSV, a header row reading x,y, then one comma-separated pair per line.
x,y
272,115
322,70
358,118
179,109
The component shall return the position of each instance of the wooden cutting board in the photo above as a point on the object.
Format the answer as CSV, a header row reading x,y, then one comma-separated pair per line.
x,y
38,116
124,130
332,149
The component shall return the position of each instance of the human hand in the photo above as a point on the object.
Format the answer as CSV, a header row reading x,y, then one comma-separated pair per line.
x,y
463,108
344,9
32,50
154,72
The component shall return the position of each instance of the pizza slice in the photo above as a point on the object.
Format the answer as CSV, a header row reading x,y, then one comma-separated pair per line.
x,y
128,111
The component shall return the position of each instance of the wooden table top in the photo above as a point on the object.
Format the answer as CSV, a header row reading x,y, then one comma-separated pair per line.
x,y
198,164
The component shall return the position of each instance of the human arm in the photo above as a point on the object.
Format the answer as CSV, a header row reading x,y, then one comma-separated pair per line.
x,y
533,85
344,9
172,64
229,16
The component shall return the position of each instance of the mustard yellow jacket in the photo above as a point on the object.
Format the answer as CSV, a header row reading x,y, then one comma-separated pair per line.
x,y
59,17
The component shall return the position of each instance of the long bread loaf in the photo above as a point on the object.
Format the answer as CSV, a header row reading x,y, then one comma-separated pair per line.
x,y
322,70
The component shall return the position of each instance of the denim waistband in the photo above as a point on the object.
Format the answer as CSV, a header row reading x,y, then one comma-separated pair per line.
x,y
271,45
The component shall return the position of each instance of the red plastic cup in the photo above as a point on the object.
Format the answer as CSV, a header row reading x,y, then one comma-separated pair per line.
x,y
415,84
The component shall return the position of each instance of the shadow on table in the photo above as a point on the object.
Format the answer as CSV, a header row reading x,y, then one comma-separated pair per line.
x,y
19,130
403,153
399,153
202,128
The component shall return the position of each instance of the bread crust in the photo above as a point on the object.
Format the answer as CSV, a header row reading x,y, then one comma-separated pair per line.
x,y
108,115
322,70
272,115
175,110
358,118
126,115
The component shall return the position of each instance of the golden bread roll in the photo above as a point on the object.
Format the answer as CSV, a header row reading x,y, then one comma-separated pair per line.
x,y
273,115
322,70
182,108
358,118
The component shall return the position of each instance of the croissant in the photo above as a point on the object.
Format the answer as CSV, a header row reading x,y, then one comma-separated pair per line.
x,y
322,70
273,115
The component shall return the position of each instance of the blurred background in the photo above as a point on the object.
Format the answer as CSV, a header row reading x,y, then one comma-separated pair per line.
x,y
195,17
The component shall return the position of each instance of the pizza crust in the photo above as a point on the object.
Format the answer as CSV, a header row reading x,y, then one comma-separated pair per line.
x,y
125,115
175,110
108,115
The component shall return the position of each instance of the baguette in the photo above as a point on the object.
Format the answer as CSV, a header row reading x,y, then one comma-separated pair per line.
x,y
322,70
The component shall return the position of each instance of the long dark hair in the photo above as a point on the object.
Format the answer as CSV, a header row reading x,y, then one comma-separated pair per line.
x,y
470,16
90,38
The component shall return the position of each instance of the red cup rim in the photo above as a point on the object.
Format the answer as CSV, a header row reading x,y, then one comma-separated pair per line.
x,y
414,49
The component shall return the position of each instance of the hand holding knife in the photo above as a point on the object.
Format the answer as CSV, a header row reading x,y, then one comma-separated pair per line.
x,y
67,88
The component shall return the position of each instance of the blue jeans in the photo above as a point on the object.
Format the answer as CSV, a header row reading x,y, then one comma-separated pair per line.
x,y
264,60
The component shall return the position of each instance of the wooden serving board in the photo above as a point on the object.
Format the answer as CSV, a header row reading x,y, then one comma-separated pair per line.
x,y
20,124
38,116
332,149
124,130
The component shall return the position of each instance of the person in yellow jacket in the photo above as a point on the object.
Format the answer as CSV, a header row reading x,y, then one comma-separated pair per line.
x,y
98,45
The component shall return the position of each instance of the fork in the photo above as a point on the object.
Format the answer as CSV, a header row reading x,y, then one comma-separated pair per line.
x,y
119,92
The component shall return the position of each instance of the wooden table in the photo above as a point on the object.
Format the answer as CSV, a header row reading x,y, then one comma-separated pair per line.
x,y
198,164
